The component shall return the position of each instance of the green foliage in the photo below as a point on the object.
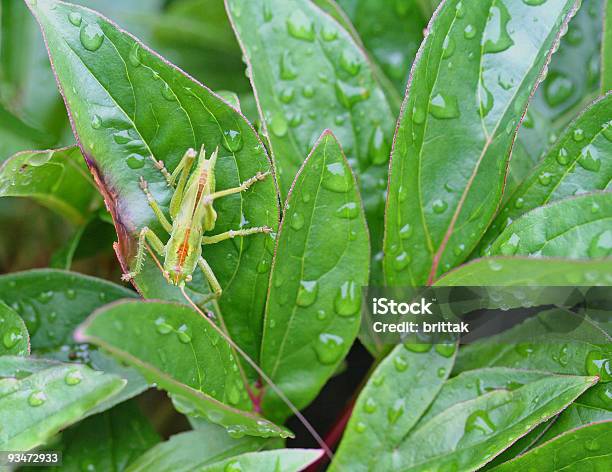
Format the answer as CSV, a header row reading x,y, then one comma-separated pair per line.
x,y
499,175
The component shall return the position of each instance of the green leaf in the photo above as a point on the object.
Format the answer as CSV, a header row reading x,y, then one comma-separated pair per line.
x,y
469,434
192,450
13,333
309,74
396,396
35,406
606,67
57,179
455,133
578,163
571,83
555,340
575,228
391,34
53,303
585,448
576,415
110,441
16,135
321,264
287,460
501,271
132,109
178,351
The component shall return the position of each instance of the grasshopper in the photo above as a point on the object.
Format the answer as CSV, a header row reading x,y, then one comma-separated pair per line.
x,y
191,215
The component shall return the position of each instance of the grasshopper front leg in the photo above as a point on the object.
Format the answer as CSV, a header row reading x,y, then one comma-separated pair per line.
x,y
232,233
212,280
241,188
146,236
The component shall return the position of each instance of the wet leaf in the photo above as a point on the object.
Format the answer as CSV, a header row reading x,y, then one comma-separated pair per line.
x,y
391,34
309,74
173,347
57,179
571,83
53,303
585,448
14,337
456,129
109,441
555,341
574,228
578,163
191,450
501,271
132,109
36,405
469,434
398,393
321,264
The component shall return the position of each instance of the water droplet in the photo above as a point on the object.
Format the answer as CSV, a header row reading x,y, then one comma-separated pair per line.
x,y
589,158
287,95
400,364
460,10
70,294
378,380
11,337
533,3
73,377
349,95
45,297
524,349
578,135
278,125
360,427
397,410
485,99
441,372
328,33
469,32
419,347
495,265
233,466
601,245
297,221
401,261
445,349
444,107
329,348
321,315
479,421
607,130
545,178
167,92
558,88
597,363
75,18
448,47
349,210
497,38
263,266
300,27
370,405
348,299
162,327
439,206
350,62
562,157
37,398
184,334
509,247
307,293
232,140
134,56
378,148
288,71
418,115
518,203
135,161
91,36
336,177
308,91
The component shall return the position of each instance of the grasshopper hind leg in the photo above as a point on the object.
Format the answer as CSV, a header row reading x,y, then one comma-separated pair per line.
x,y
212,280
146,236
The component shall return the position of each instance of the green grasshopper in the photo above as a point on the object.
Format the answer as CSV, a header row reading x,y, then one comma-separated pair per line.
x,y
192,214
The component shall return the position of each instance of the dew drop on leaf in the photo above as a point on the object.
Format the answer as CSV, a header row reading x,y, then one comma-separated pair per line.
x,y
233,466
496,37
534,3
37,398
134,56
601,245
405,231
545,178
445,349
278,125
401,261
598,363
288,71
336,178
448,47
360,427
162,327
400,364
589,158
518,203
328,348
370,405
307,293
232,140
558,88
349,62
308,91
184,334
397,410
300,26
75,18
444,107
349,210
578,135
469,32
562,157
297,221
91,36
11,337
287,95
479,421
135,161
348,95
509,247
439,206
73,377
348,299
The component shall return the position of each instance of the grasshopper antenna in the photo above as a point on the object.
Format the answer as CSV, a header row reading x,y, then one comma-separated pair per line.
x,y
263,375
